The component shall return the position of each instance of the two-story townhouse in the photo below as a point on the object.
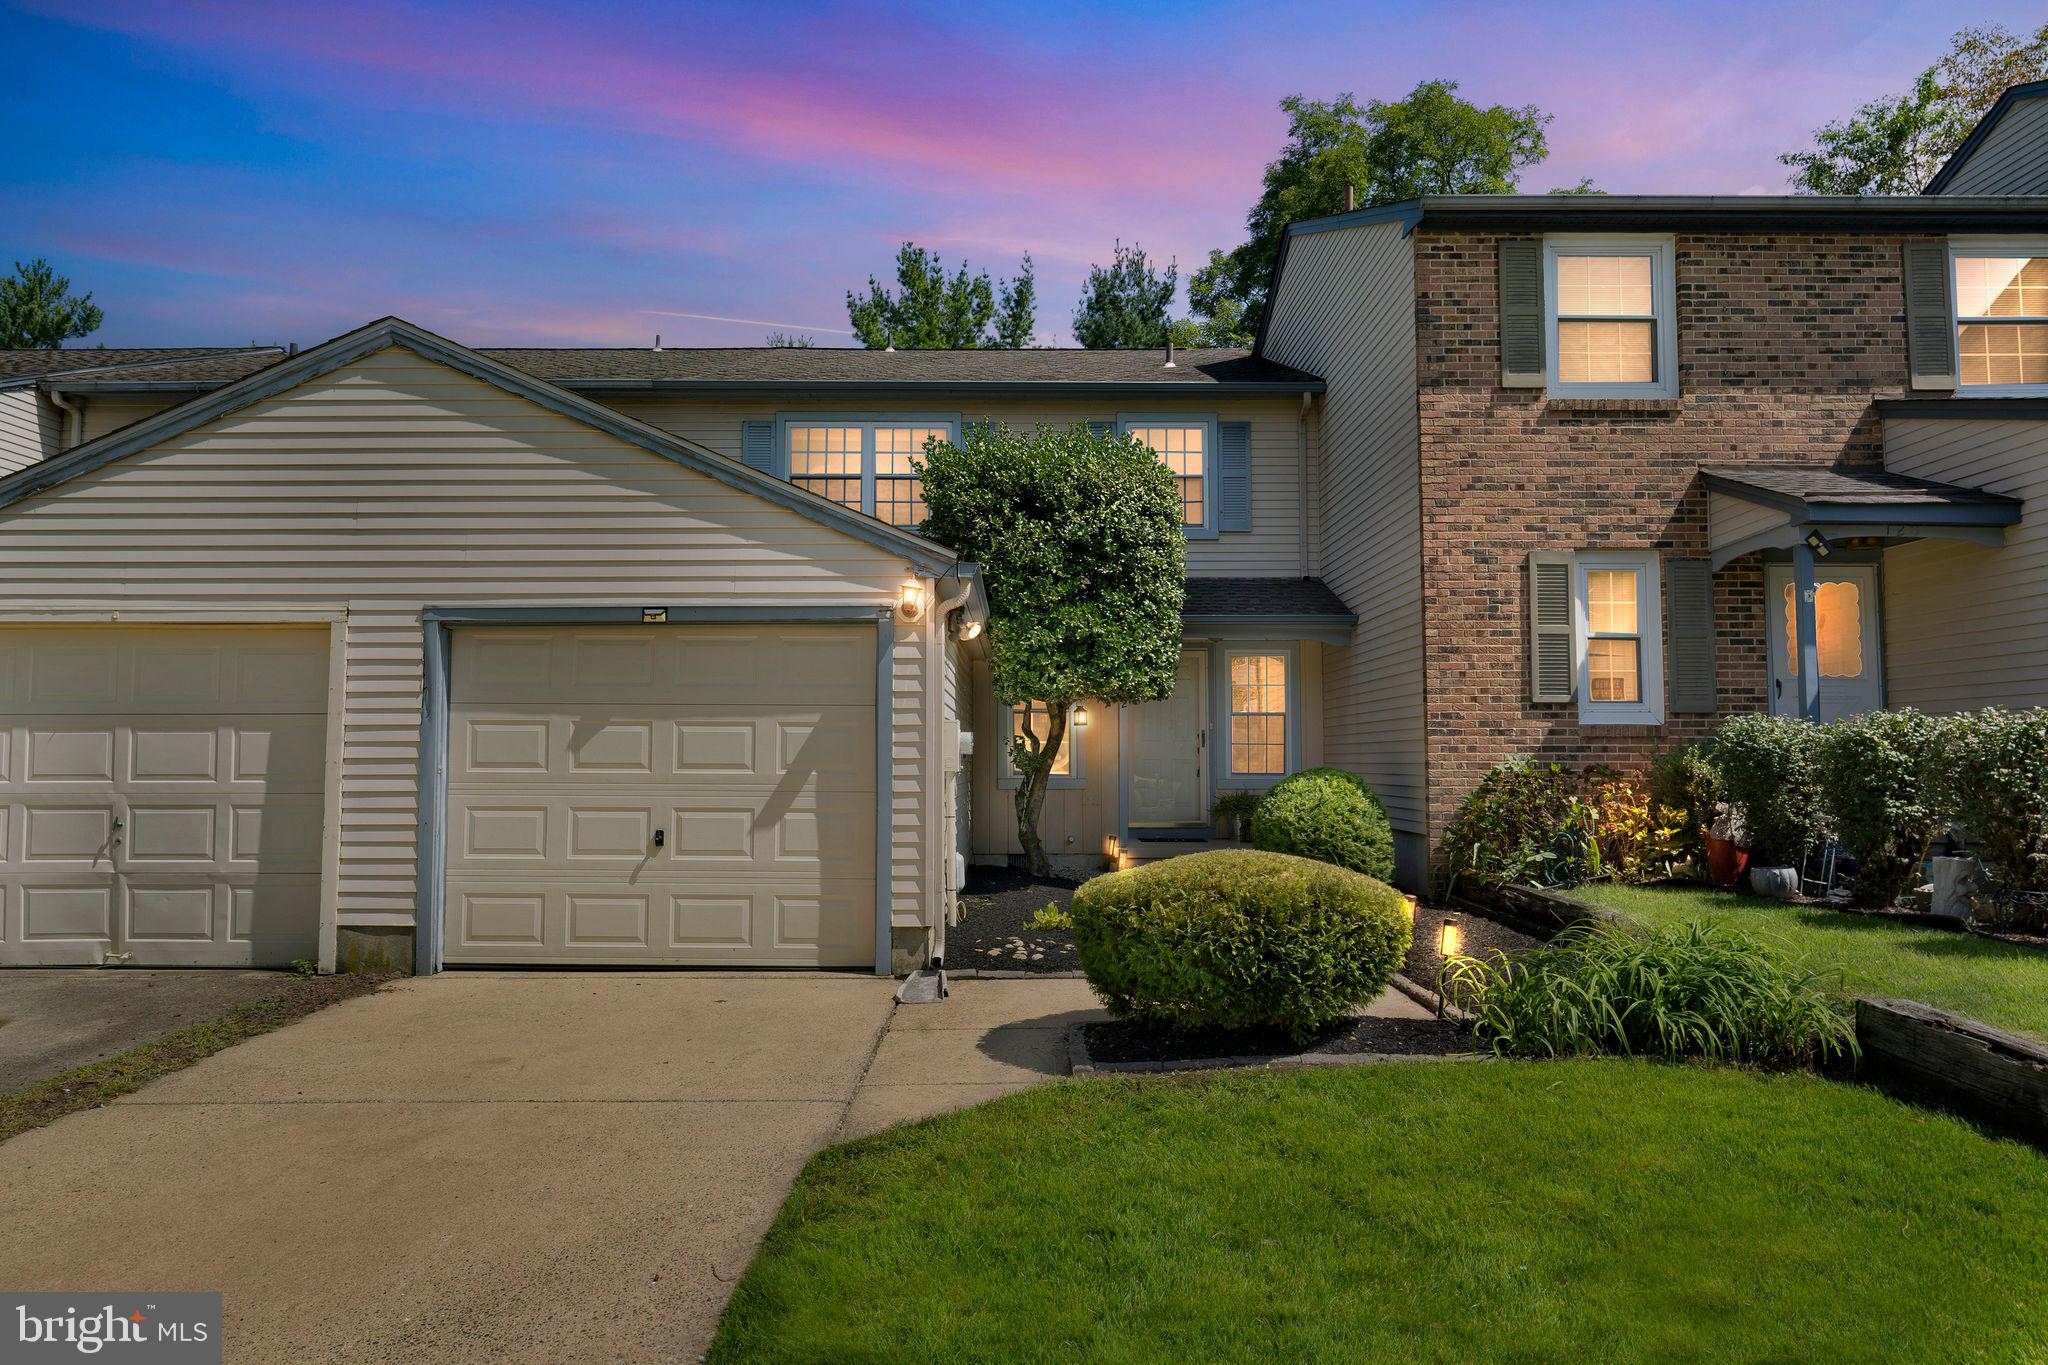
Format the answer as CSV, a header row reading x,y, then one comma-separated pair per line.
x,y
393,647
1599,471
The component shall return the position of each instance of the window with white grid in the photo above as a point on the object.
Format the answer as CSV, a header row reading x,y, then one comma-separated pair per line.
x,y
865,464
2001,318
1258,715
1612,330
1183,447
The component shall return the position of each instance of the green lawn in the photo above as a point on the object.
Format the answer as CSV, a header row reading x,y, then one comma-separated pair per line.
x,y
1594,1209
1996,983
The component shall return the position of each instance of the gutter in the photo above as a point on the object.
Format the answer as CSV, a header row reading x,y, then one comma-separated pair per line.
x,y
938,630
74,418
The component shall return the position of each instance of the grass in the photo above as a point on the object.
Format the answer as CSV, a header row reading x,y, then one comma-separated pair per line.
x,y
88,1087
1593,1209
2001,984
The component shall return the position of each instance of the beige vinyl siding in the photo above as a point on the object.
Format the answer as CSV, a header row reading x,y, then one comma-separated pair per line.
x,y
28,428
1345,311
394,483
1730,519
2013,159
1967,625
105,414
1272,546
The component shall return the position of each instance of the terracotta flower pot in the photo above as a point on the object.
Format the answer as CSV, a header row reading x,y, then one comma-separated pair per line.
x,y
1725,862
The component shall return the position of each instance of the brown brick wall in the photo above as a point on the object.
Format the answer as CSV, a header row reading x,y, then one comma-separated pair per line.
x,y
1783,343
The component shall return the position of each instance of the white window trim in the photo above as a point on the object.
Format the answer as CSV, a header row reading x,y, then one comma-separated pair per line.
x,y
1664,298
1228,776
1650,613
1987,246
1206,530
1007,776
866,420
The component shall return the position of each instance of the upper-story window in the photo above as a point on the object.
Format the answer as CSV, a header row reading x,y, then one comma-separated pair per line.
x,y
1610,311
864,465
2002,317
1185,446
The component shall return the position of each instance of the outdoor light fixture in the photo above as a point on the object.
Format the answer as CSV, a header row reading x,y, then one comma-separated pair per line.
x,y
1080,716
913,601
1818,543
970,629
1450,942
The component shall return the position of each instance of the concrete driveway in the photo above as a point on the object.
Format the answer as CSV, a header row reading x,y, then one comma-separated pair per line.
x,y
55,1018
496,1166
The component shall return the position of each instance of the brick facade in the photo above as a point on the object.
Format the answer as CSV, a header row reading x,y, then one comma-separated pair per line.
x,y
1784,341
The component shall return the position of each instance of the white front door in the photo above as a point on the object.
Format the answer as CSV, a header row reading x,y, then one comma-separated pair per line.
x,y
1846,629
1168,772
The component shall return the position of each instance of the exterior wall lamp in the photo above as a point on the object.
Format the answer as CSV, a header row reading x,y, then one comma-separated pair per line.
x,y
912,602
1818,543
970,630
1080,717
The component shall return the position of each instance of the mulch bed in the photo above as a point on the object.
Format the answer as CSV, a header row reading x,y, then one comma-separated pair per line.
x,y
1126,1041
995,931
1483,937
88,1087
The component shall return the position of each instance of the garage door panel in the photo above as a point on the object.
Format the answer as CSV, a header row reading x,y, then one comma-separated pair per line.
x,y
208,746
750,749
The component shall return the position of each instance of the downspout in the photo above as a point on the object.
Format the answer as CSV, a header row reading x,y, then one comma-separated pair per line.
x,y
1301,473
941,859
74,418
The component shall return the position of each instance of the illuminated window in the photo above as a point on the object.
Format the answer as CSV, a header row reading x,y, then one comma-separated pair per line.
x,y
1183,447
1258,715
864,465
2002,321
1611,316
1620,638
1066,765
1837,628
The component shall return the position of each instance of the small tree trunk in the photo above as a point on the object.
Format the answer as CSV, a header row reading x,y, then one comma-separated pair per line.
x,y
1036,774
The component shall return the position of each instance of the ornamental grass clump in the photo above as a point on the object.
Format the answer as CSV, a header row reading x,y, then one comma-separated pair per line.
x,y
1235,939
1693,990
1329,815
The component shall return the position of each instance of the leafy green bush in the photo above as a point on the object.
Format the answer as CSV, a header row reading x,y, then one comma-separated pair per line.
x,y
1239,939
1685,783
1767,770
1991,775
1634,838
1235,805
1693,990
1329,815
1519,825
1874,774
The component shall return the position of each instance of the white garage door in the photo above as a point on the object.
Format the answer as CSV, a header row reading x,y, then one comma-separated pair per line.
x,y
691,795
163,792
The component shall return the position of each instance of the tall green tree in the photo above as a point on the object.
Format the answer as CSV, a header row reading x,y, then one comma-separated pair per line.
x,y
1896,143
1430,142
931,310
1123,307
1079,541
39,312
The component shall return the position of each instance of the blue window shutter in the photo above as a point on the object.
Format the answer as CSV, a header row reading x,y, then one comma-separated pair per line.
x,y
1234,476
1102,428
757,448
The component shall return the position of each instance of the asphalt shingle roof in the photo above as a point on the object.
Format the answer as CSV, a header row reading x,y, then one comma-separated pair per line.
x,y
845,365
1874,488
1263,597
140,364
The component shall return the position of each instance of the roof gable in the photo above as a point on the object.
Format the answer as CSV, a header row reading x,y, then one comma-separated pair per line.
x,y
388,332
1986,126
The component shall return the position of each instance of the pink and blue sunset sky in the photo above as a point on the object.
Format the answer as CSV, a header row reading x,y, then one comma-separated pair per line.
x,y
591,174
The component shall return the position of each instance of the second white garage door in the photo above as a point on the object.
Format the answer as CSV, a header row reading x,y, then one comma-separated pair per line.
x,y
684,795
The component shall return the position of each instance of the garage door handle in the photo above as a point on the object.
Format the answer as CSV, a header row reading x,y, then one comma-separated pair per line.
x,y
660,837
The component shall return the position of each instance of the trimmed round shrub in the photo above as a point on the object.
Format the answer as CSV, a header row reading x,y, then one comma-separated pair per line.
x,y
1329,815
1235,939
1874,776
1768,771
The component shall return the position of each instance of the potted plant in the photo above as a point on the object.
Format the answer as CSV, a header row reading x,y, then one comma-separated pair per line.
x,y
1727,859
1233,812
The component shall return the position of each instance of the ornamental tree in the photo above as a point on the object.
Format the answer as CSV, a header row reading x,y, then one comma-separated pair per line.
x,y
1079,540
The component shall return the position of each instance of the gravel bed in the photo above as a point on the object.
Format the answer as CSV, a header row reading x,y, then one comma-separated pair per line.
x,y
1128,1041
1482,938
995,931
